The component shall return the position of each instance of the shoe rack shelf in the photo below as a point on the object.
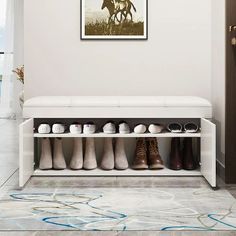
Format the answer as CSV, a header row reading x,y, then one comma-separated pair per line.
x,y
118,135
28,141
128,172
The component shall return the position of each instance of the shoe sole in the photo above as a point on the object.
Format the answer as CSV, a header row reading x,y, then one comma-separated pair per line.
x,y
156,167
140,167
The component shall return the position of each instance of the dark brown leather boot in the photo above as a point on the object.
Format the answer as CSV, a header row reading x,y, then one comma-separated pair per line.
x,y
175,162
188,158
140,159
154,158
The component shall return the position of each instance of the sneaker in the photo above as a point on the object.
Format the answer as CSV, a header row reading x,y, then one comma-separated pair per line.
x,y
76,128
109,128
89,128
140,129
154,157
124,128
175,128
191,128
140,159
155,128
44,129
58,128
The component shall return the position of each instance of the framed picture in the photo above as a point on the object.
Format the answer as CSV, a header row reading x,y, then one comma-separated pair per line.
x,y
114,19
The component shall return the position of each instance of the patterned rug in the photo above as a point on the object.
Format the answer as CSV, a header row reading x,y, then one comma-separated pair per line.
x,y
118,209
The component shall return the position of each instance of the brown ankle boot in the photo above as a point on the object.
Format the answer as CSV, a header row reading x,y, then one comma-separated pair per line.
x,y
154,158
188,158
140,159
175,161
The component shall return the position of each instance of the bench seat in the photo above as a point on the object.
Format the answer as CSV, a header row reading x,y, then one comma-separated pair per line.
x,y
117,107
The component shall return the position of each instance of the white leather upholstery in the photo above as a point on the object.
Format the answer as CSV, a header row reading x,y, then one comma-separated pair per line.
x,y
119,107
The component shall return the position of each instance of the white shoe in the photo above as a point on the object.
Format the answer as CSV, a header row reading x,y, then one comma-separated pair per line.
x,y
58,159
45,162
140,129
107,162
58,128
89,128
109,128
44,129
124,128
90,161
76,128
155,128
76,162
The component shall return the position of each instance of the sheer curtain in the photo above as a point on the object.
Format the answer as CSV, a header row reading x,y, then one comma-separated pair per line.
x,y
7,97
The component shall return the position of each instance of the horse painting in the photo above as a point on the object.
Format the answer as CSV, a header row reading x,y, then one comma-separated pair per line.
x,y
114,19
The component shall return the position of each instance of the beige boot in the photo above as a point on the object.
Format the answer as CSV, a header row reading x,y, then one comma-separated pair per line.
x,y
121,162
108,155
90,161
45,162
58,156
76,161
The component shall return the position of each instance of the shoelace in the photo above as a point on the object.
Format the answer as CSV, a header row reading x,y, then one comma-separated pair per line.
x,y
153,148
141,148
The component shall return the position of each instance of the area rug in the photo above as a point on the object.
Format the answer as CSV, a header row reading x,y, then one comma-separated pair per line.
x,y
118,209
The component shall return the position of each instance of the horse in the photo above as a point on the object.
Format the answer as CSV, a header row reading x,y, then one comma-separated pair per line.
x,y
110,5
124,7
118,6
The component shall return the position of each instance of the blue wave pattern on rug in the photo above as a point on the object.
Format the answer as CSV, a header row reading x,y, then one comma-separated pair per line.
x,y
118,209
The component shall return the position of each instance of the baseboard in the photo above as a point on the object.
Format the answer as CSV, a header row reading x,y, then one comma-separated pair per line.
x,y
220,170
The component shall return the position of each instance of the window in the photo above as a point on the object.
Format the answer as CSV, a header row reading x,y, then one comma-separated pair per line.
x,y
2,28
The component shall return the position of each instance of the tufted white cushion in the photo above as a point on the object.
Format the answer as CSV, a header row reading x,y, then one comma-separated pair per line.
x,y
117,106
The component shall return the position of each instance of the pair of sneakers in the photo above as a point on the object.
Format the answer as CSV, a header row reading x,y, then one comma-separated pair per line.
x,y
57,128
110,127
152,128
147,155
88,128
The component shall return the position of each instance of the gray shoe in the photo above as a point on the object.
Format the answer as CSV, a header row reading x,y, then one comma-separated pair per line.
x,y
121,162
76,161
108,155
90,161
45,162
58,156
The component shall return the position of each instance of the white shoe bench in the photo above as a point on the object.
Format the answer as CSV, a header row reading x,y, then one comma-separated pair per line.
x,y
155,109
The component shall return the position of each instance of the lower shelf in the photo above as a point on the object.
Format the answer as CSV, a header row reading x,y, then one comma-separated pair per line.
x,y
128,172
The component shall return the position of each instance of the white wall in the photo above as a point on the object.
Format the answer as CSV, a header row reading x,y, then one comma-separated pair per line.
x,y
176,59
18,50
218,74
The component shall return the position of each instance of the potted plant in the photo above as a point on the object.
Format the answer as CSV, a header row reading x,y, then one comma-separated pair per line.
x,y
19,71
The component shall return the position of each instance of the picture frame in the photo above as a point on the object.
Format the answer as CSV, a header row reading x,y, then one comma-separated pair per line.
x,y
114,19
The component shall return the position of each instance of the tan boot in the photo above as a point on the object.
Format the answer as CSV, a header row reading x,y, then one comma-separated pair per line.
x,y
45,162
90,161
121,162
76,161
108,155
58,156
154,158
140,159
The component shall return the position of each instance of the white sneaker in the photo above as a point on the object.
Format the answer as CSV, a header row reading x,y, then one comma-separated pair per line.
x,y
76,128
124,128
89,128
155,128
58,128
44,129
140,129
109,128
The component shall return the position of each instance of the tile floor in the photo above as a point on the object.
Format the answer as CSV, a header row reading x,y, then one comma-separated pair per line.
x,y
9,184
